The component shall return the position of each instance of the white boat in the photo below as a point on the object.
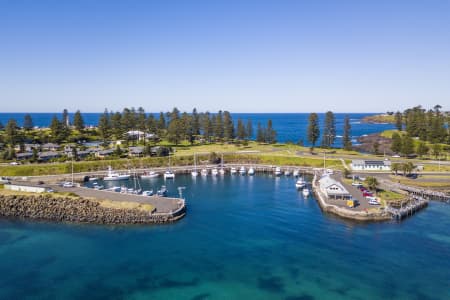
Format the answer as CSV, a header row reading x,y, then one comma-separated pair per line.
x,y
251,171
115,189
296,173
287,173
301,183
93,178
233,170
162,192
115,176
194,172
169,175
305,192
151,174
222,171
147,193
277,171
204,172
242,170
214,172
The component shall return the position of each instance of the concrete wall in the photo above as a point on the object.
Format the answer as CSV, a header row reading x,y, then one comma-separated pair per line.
x,y
25,188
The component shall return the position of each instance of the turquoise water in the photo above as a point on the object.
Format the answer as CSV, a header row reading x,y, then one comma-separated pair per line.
x,y
243,238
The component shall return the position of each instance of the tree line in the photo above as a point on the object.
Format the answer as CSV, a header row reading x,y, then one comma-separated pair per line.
x,y
329,131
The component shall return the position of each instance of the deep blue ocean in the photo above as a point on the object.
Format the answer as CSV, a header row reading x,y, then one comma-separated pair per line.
x,y
289,127
242,238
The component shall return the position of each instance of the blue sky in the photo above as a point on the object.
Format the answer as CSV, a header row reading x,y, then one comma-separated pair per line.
x,y
242,56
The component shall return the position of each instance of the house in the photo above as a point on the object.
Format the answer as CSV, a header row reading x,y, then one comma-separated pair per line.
x,y
140,135
136,151
371,165
104,153
333,189
50,147
48,155
24,156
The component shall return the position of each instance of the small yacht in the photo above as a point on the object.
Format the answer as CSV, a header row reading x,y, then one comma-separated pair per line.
x,y
251,171
151,174
162,192
147,193
233,170
214,172
222,171
194,172
115,176
115,189
169,175
287,173
204,172
305,192
277,171
301,183
296,173
242,170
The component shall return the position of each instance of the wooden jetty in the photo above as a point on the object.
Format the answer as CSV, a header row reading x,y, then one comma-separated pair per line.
x,y
412,205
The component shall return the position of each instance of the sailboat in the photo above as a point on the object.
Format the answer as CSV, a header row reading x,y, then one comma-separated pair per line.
x,y
169,174
115,176
194,173
221,171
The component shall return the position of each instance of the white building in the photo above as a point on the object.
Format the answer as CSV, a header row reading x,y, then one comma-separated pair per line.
x,y
333,189
371,165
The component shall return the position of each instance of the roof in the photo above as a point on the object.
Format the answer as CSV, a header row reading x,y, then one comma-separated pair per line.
x,y
378,163
327,181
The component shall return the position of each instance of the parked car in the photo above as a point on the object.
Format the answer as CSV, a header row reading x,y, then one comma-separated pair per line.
x,y
68,184
367,194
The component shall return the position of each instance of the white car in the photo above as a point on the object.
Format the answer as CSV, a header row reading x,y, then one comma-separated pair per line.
x,y
68,184
14,163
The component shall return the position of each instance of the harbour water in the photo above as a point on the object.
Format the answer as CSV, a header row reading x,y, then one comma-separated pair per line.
x,y
290,127
242,238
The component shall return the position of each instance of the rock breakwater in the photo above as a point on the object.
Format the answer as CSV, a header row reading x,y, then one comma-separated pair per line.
x,y
80,210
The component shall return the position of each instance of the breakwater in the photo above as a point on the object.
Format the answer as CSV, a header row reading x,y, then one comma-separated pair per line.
x,y
79,210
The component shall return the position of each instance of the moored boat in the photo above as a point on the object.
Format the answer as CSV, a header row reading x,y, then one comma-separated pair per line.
x,y
251,171
277,171
169,175
301,183
242,170
115,176
233,170
150,174
305,192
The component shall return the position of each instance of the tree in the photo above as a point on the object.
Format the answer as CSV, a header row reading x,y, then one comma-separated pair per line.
x,y
329,130
395,167
398,121
116,125
56,129
11,132
240,130
104,126
65,118
396,145
27,122
195,122
407,145
161,121
346,138
249,129
372,183
78,121
141,120
436,150
1,126
218,126
175,131
260,133
313,129
407,168
35,156
271,134
228,126
376,147
422,148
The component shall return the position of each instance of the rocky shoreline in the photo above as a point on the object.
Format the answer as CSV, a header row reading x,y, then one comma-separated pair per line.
x,y
77,210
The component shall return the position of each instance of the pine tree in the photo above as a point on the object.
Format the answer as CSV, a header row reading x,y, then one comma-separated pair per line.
x,y
207,126
329,131
65,118
396,145
271,135
218,126
27,122
161,121
260,134
151,124
141,119
398,121
1,126
249,129
346,138
228,126
56,129
104,126
116,125
78,121
11,132
313,129
407,145
241,133
195,122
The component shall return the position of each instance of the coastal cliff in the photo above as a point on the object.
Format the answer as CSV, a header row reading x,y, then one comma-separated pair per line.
x,y
78,210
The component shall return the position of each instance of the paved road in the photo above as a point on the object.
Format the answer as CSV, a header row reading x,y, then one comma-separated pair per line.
x,y
162,204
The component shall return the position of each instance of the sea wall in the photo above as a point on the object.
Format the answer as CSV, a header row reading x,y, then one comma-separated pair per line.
x,y
79,210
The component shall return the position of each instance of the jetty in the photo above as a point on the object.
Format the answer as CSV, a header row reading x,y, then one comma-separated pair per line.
x,y
407,208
